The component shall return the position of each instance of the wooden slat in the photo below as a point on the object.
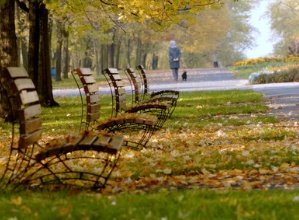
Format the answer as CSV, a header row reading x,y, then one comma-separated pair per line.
x,y
117,77
93,98
121,91
30,112
102,139
88,79
24,83
91,88
121,98
88,140
26,140
91,117
112,70
16,72
121,105
117,141
93,108
84,71
119,84
29,97
30,126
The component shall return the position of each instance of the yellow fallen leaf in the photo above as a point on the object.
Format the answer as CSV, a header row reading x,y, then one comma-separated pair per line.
x,y
17,201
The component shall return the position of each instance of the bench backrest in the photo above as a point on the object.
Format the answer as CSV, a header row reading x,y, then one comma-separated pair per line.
x,y
144,81
23,93
135,84
92,95
117,88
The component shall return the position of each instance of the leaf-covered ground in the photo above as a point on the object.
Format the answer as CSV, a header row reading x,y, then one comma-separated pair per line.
x,y
208,143
244,157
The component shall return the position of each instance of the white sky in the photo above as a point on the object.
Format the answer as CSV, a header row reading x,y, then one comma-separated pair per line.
x,y
264,46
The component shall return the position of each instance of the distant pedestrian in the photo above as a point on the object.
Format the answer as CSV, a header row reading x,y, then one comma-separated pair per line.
x,y
174,59
215,59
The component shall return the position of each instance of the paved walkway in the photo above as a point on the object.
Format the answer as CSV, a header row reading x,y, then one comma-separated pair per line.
x,y
282,98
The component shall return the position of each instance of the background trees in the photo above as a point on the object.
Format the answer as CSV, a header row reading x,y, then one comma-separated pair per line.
x,y
284,23
69,33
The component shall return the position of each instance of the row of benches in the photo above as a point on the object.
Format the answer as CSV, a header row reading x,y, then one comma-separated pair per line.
x,y
97,145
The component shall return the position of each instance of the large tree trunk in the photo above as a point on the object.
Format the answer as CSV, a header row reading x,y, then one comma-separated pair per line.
x,y
8,39
39,52
8,49
39,66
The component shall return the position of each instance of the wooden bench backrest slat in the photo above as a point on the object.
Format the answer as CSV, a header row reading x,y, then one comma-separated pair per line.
x,y
93,98
84,71
144,79
16,72
92,88
88,79
31,138
30,126
28,97
121,91
24,83
136,84
30,112
117,77
93,108
91,117
121,105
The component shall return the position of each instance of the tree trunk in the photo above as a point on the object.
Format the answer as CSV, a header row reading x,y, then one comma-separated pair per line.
x,y
8,49
66,54
128,53
155,61
39,66
111,55
117,55
138,52
104,56
8,39
58,52
97,61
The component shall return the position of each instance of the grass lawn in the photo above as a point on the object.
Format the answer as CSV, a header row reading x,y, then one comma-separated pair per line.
x,y
219,157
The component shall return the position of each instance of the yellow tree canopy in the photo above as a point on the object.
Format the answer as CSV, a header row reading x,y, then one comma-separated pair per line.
x,y
158,14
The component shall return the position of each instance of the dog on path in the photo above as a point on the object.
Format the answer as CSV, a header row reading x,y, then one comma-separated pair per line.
x,y
184,76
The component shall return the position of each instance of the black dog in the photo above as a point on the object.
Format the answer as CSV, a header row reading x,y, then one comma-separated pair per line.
x,y
184,76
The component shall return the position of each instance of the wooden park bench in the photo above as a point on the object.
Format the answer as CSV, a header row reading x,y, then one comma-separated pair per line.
x,y
84,160
119,99
169,96
141,126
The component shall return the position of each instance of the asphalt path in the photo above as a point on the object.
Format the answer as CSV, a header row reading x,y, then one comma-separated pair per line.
x,y
281,98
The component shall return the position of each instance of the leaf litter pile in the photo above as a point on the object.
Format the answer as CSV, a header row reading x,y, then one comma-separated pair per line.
x,y
217,155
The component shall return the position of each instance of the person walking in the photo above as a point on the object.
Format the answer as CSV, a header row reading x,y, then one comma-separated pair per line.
x,y
174,54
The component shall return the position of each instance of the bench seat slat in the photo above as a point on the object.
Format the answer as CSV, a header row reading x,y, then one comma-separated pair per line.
x,y
114,145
